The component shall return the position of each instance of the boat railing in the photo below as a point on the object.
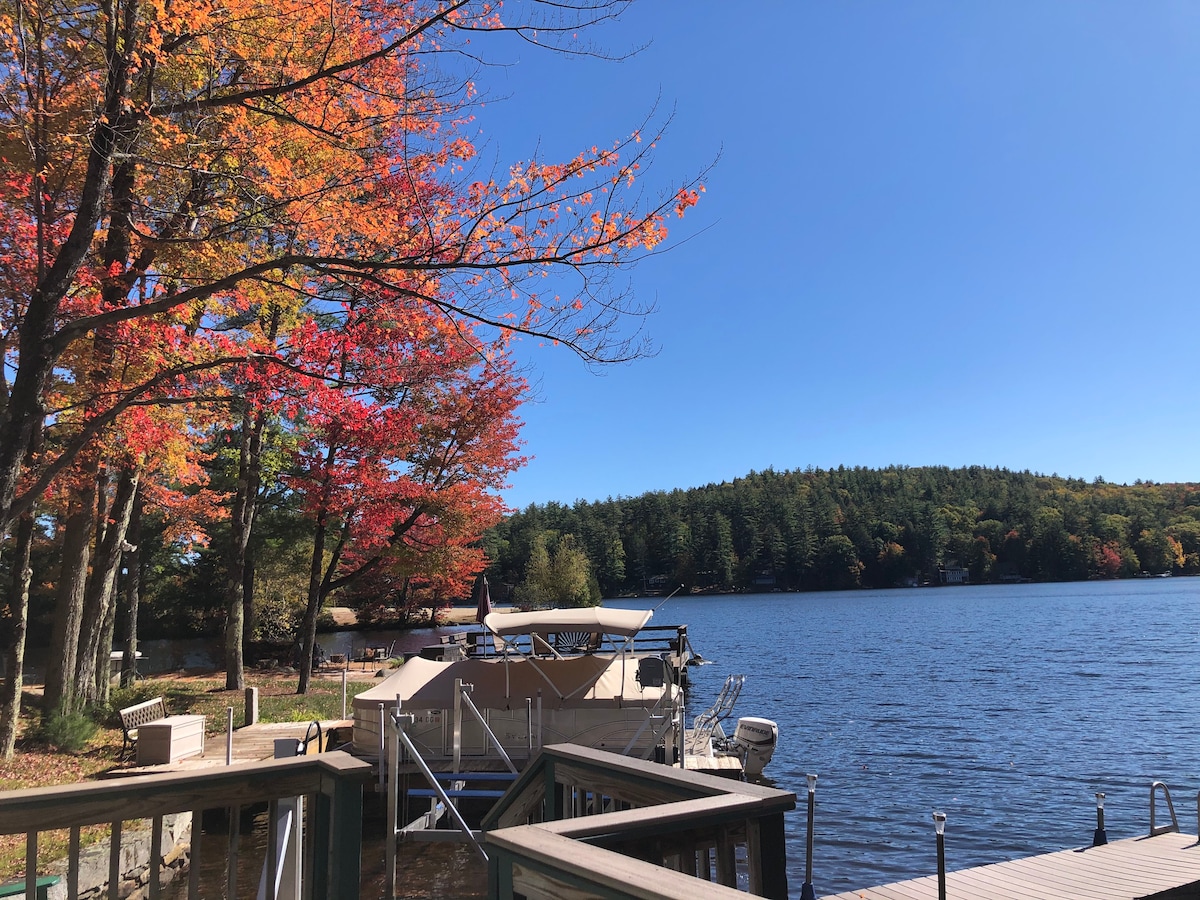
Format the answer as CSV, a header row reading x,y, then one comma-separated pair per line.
x,y
328,865
584,821
668,640
1156,829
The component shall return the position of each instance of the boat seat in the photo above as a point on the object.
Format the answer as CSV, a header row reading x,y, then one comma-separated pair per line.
x,y
542,647
576,641
652,672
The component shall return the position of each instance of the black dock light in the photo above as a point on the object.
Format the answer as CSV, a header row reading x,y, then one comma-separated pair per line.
x,y
1099,837
939,825
806,892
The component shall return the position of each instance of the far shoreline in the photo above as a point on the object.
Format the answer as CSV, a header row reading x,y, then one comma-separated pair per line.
x,y
344,618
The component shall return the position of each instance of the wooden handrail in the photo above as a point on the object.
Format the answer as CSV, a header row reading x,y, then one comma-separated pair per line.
x,y
42,809
636,781
630,824
333,780
556,865
657,814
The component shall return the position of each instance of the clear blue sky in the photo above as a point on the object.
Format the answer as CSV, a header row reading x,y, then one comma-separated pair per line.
x,y
939,233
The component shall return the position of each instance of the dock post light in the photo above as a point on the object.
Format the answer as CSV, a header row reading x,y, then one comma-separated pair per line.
x,y
806,892
939,825
1099,838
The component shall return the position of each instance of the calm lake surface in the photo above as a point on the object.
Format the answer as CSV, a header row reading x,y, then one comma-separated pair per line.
x,y
1007,707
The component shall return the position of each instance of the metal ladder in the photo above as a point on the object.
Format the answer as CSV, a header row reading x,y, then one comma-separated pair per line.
x,y
706,723
1155,828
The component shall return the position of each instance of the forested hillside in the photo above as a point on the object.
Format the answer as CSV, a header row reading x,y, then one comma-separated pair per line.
x,y
859,527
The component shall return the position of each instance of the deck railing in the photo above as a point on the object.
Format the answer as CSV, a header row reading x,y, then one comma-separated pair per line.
x,y
331,782
586,821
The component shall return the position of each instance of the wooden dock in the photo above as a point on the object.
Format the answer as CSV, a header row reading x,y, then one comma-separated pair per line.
x,y
1121,870
251,743
724,766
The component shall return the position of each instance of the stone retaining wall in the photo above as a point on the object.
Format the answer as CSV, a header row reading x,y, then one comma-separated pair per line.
x,y
135,862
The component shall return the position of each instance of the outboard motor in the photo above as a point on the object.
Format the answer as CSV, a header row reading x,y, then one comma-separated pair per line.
x,y
755,741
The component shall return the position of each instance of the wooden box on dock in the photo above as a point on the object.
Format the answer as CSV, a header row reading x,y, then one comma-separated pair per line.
x,y
170,739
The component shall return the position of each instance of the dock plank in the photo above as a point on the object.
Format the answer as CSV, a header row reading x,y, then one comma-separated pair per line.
x,y
1017,887
991,882
1121,870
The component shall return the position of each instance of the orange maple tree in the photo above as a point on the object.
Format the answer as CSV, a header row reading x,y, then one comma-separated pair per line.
x,y
173,160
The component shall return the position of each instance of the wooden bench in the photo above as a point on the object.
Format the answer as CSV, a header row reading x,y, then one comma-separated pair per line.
x,y
133,717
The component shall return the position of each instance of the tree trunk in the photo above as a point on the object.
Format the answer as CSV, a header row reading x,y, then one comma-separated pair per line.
x,y
240,525
68,606
82,686
240,522
248,617
133,586
14,651
103,683
308,629
99,596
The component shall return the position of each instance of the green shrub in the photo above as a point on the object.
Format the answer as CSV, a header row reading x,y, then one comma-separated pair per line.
x,y
67,732
277,620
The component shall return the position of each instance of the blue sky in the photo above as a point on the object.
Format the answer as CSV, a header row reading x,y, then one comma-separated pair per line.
x,y
939,233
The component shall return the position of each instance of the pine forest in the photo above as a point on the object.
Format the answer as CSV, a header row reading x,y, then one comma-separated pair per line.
x,y
857,527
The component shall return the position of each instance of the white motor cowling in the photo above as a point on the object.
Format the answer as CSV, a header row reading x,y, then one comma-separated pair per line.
x,y
755,740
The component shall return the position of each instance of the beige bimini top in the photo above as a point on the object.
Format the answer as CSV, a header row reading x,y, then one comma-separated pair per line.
x,y
580,681
620,622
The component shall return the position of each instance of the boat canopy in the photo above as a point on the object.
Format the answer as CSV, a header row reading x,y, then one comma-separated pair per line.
x,y
582,681
605,620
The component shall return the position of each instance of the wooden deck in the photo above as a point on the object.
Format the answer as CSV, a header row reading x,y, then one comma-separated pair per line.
x,y
724,766
251,743
1121,870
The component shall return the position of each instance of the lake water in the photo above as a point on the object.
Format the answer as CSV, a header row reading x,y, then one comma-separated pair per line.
x,y
1007,707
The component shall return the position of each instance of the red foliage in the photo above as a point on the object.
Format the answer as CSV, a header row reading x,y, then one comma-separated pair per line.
x,y
406,429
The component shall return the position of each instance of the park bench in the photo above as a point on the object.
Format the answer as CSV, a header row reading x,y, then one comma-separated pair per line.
x,y
133,717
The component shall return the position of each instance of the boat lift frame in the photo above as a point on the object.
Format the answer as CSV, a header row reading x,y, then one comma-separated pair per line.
x,y
442,803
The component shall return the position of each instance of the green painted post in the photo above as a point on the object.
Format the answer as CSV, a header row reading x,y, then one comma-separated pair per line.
x,y
773,860
500,874
345,843
320,845
553,807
